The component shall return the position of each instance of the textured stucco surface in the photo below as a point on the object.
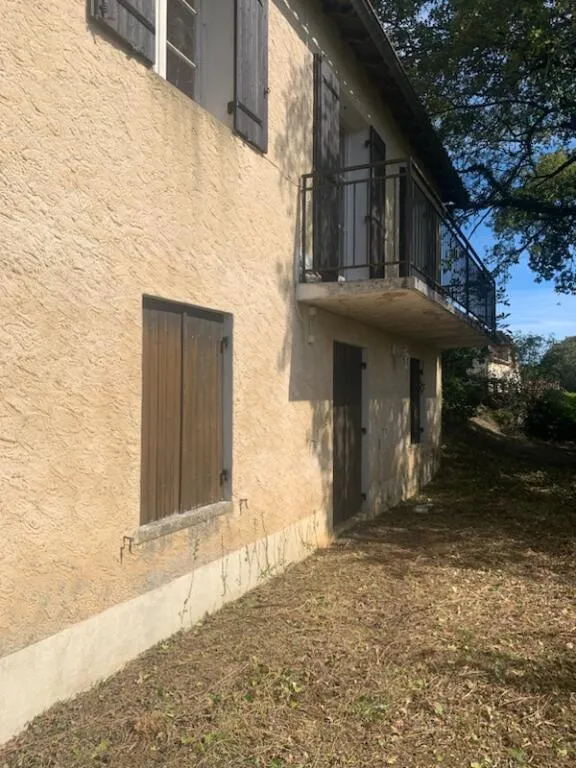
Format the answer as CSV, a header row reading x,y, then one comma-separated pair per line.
x,y
72,660
113,185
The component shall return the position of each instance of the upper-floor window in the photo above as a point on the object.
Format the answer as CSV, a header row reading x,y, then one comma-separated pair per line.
x,y
214,51
179,54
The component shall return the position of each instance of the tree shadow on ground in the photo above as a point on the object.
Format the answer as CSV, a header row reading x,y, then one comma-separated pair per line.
x,y
512,507
555,675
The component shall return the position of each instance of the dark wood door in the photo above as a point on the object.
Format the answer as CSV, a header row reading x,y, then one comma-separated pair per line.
x,y
347,432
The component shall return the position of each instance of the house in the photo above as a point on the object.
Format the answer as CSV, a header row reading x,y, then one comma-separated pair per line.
x,y
228,274
502,362
499,363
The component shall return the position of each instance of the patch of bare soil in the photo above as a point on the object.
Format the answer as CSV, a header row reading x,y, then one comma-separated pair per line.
x,y
441,634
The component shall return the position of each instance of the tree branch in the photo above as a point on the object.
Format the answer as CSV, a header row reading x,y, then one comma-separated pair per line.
x,y
547,176
533,205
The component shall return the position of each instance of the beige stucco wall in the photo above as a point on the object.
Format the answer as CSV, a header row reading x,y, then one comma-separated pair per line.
x,y
115,185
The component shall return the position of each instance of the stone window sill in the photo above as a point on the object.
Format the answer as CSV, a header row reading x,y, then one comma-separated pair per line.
x,y
178,522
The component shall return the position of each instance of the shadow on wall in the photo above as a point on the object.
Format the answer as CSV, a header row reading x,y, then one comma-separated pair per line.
x,y
306,352
310,378
293,144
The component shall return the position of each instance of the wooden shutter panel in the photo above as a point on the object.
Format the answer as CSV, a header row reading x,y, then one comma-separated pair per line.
x,y
377,206
202,411
347,431
327,198
326,117
404,222
415,401
161,417
131,20
251,86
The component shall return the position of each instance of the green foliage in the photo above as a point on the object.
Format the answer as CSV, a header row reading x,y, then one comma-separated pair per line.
x,y
462,391
559,363
550,245
510,398
530,348
497,77
553,417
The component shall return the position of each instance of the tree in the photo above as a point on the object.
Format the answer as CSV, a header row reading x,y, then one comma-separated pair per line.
x,y
529,349
559,363
462,390
498,78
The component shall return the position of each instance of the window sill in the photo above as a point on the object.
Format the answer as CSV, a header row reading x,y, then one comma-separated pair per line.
x,y
178,522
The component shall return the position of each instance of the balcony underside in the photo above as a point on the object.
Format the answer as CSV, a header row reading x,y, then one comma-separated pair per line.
x,y
403,306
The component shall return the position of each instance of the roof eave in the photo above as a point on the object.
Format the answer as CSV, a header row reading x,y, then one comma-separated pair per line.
x,y
360,26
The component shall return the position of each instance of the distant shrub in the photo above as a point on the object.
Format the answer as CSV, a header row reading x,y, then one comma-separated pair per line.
x,y
462,397
552,416
462,391
506,419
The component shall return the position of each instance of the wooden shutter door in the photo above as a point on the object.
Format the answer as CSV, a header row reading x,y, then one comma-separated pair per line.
x,y
251,86
377,206
202,408
161,393
326,203
347,431
415,401
131,20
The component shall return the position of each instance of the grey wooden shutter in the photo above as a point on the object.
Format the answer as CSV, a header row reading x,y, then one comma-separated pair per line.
x,y
415,400
327,198
326,117
133,21
251,83
377,205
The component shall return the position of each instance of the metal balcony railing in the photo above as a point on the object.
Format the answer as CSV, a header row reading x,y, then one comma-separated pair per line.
x,y
382,220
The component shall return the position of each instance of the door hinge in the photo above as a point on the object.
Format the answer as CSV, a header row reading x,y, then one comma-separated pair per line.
x,y
224,477
224,343
363,496
363,365
364,430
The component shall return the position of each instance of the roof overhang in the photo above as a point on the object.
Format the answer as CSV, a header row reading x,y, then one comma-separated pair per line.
x,y
361,28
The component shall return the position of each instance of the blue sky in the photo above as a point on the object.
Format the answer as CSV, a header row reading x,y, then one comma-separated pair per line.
x,y
534,307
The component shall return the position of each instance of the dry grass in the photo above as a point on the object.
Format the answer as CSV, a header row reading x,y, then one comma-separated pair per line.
x,y
435,639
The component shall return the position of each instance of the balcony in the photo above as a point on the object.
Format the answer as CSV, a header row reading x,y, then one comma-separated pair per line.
x,y
378,246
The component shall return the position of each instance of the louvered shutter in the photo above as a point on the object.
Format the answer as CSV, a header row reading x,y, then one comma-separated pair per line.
x,y
327,198
251,86
131,20
377,205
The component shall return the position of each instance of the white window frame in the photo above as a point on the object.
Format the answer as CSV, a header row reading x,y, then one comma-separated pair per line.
x,y
162,42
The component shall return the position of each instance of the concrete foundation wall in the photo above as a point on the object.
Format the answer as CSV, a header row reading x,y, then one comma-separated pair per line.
x,y
114,185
